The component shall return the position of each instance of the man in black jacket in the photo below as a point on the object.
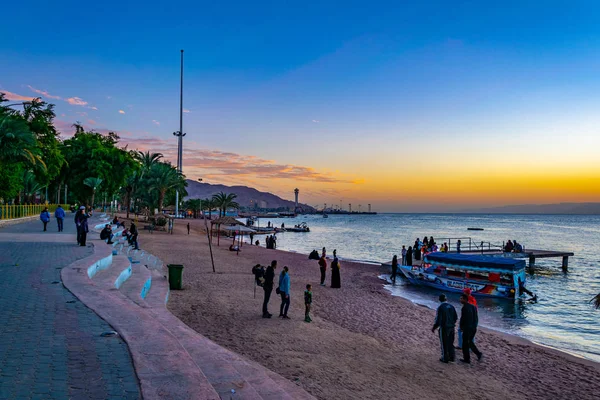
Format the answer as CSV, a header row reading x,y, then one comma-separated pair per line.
x,y
468,325
445,319
268,288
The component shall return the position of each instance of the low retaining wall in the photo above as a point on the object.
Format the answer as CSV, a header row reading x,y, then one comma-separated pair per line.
x,y
7,222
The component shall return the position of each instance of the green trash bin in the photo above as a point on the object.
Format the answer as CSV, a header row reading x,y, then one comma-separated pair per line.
x,y
175,276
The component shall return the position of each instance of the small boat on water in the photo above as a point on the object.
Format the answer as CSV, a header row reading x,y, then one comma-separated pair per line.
x,y
474,229
485,276
302,227
325,215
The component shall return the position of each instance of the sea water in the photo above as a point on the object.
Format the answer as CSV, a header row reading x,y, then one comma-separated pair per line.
x,y
562,317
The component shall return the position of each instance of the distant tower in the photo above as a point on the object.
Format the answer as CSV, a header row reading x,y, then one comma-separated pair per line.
x,y
369,207
324,206
349,207
296,192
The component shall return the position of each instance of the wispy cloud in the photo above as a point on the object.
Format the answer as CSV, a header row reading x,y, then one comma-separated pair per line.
x,y
91,122
94,108
185,110
155,122
76,101
81,113
16,97
225,167
121,112
44,93
109,97
316,121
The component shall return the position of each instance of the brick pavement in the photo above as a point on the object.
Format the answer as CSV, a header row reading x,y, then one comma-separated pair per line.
x,y
50,343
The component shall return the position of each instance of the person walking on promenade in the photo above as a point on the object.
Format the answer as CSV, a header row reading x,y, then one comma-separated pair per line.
x,y
445,320
284,291
409,256
471,300
83,226
404,255
188,228
78,223
307,302
323,268
45,217
336,281
468,323
394,269
59,214
268,288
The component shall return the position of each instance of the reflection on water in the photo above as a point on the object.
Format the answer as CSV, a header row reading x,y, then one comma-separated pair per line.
x,y
562,317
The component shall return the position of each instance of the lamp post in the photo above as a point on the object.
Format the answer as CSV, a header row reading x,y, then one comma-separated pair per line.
x,y
180,136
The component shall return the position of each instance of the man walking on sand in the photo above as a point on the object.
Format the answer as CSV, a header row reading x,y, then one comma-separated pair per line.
x,y
468,323
188,228
445,320
268,288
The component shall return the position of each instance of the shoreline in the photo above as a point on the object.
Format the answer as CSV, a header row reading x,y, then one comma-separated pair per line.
x,y
502,332
364,342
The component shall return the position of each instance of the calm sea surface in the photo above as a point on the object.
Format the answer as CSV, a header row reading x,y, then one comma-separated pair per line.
x,y
562,317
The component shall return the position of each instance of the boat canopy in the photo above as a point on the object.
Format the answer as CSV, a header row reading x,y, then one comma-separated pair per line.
x,y
476,262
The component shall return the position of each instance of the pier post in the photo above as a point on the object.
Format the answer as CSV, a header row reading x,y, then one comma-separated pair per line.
x,y
531,261
565,263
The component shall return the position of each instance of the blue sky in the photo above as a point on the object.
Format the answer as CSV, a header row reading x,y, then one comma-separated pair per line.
x,y
347,90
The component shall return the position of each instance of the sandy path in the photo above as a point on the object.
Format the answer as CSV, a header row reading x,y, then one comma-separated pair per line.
x,y
363,343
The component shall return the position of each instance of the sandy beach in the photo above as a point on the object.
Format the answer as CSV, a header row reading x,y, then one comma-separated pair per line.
x,y
363,343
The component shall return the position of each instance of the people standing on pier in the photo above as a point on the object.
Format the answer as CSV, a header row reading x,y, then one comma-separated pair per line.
x,y
336,281
394,269
509,246
409,256
59,214
45,217
403,255
268,288
458,246
323,269
445,320
468,324
425,242
284,291
417,250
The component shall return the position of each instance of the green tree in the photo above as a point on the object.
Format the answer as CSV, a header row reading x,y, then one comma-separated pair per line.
x,y
147,159
195,205
164,177
224,201
94,183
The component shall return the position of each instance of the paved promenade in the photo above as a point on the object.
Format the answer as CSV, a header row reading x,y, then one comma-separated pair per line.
x,y
51,346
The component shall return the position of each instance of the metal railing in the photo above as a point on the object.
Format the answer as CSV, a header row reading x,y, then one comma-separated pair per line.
x,y
468,244
26,210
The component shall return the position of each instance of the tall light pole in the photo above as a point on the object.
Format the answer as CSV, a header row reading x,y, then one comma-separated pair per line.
x,y
180,136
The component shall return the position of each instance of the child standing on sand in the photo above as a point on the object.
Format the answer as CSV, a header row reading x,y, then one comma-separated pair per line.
x,y
307,302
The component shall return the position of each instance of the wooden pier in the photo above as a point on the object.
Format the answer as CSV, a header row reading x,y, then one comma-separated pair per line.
x,y
531,254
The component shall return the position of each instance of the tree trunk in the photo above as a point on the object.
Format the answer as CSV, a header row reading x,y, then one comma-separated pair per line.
x,y
128,203
93,195
161,199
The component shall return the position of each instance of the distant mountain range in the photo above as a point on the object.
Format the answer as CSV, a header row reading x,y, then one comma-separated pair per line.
x,y
560,208
246,196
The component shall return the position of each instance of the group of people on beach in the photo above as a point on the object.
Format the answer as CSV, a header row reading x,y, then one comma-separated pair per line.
x,y
423,247
270,242
265,278
445,321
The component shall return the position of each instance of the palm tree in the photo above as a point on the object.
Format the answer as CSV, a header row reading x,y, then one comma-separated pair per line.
x,y
30,186
208,205
195,205
131,184
225,201
94,183
147,159
17,142
163,177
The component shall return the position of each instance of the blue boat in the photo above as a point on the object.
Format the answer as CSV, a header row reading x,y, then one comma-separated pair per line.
x,y
485,276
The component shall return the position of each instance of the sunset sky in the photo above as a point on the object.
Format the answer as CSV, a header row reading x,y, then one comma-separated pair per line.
x,y
435,106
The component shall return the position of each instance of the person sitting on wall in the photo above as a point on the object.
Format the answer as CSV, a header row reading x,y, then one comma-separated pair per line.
x,y
106,234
